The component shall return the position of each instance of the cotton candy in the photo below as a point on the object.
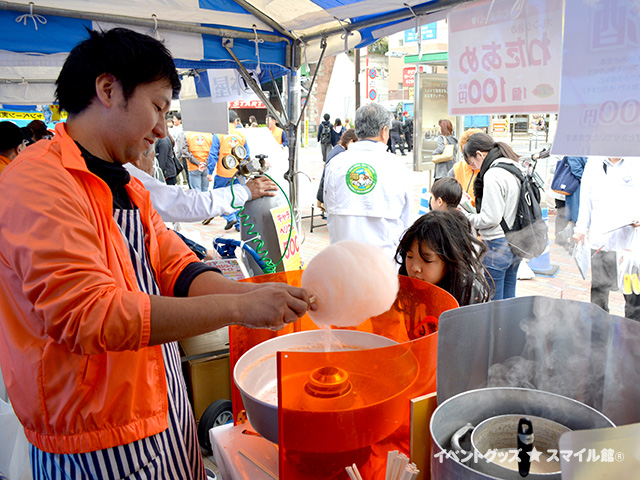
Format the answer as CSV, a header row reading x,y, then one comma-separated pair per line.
x,y
351,281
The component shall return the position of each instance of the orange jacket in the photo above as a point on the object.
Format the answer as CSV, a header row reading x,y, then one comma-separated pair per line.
x,y
199,145
277,134
74,327
4,161
221,146
466,176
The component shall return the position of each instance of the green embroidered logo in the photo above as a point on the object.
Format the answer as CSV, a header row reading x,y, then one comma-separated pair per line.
x,y
361,178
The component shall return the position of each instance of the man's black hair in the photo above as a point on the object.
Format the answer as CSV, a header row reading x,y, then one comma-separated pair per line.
x,y
233,116
134,59
326,117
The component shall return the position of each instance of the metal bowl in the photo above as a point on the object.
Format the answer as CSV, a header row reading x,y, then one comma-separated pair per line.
x,y
255,375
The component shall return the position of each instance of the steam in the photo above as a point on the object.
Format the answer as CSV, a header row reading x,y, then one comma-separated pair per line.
x,y
579,351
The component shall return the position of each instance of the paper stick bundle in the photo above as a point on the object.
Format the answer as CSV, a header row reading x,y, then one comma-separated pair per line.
x,y
399,468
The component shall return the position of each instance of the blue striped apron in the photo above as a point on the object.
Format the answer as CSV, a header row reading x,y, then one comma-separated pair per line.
x,y
170,455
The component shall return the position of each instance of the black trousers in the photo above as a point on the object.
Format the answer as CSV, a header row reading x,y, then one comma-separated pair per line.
x,y
604,274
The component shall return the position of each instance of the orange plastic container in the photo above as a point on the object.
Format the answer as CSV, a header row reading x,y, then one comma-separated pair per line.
x,y
339,408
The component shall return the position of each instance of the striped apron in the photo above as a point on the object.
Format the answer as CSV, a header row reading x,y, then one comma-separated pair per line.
x,y
170,455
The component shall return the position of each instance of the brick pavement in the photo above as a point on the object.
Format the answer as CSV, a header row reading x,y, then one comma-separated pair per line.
x,y
566,284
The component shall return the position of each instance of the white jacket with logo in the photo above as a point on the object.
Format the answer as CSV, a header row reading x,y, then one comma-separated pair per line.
x,y
368,196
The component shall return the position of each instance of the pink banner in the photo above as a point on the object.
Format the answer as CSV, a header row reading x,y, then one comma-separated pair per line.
x,y
505,57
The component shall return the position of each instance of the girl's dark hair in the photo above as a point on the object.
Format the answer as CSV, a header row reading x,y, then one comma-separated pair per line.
x,y
448,234
445,127
134,59
337,122
448,189
347,136
483,142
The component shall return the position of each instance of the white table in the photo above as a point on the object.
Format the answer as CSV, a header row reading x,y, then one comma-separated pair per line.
x,y
242,456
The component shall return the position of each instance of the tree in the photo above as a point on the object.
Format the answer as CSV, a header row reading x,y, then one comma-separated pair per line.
x,y
381,46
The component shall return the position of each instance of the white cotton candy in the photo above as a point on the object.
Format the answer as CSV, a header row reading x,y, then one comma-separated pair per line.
x,y
351,281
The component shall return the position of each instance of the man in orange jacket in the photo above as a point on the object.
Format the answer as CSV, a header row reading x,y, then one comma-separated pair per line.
x,y
95,290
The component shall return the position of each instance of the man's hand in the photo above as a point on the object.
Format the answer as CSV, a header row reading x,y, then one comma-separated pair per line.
x,y
262,187
578,238
274,305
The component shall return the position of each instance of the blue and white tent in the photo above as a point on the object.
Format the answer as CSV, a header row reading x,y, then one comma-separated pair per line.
x,y
271,36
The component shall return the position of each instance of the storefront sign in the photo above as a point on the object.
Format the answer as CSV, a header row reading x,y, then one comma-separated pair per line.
x,y
505,57
429,32
408,76
600,109
247,104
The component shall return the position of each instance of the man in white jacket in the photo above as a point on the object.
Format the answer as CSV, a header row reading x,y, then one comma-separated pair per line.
x,y
175,204
367,190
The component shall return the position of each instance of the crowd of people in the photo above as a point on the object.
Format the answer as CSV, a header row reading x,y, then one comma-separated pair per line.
x,y
365,195
96,290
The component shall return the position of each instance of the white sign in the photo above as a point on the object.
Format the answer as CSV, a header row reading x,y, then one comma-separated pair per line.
x,y
227,85
505,57
600,97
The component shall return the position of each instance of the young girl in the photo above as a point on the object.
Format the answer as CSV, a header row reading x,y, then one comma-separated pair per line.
x,y
439,248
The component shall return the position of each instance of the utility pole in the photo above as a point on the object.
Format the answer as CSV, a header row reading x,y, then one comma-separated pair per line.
x,y
357,73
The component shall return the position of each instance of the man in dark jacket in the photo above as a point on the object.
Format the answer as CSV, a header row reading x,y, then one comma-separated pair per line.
x,y
324,136
166,160
407,128
395,135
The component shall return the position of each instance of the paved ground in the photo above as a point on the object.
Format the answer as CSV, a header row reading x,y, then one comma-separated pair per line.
x,y
566,284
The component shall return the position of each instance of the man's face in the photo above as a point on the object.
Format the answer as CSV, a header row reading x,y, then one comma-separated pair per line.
x,y
271,122
137,123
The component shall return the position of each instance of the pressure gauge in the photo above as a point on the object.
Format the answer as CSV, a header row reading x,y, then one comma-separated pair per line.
x,y
239,152
229,162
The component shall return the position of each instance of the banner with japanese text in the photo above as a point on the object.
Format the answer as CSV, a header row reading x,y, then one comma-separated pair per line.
x,y
282,219
505,57
227,85
600,96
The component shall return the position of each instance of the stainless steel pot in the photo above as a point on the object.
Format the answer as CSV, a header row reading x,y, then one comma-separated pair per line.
x,y
255,375
475,406
498,449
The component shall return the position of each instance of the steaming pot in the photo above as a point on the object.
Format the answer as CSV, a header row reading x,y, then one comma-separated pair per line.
x,y
476,406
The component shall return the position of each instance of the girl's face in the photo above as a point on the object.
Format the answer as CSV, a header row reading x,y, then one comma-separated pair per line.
x,y
431,270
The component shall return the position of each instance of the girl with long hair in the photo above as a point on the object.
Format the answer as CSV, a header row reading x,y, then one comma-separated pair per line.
x,y
439,248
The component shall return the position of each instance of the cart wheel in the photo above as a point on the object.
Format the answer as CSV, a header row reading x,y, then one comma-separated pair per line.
x,y
218,413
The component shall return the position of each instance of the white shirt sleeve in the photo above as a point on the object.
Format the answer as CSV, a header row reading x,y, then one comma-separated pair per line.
x,y
174,204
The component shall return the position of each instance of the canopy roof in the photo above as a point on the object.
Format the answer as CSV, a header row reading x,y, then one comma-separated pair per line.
x,y
35,39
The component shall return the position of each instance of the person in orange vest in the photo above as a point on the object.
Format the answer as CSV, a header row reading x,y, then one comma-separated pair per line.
x,y
11,143
196,151
222,146
279,134
461,171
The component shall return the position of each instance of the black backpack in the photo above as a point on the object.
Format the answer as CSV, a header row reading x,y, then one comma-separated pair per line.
x,y
528,236
325,134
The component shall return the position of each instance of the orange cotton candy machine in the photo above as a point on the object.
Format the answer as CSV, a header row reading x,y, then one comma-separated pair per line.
x,y
336,393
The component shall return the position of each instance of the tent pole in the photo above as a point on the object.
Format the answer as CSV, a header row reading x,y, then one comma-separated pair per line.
x,y
143,22
228,44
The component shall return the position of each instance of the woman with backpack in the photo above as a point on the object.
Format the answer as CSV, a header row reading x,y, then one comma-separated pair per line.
x,y
497,194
